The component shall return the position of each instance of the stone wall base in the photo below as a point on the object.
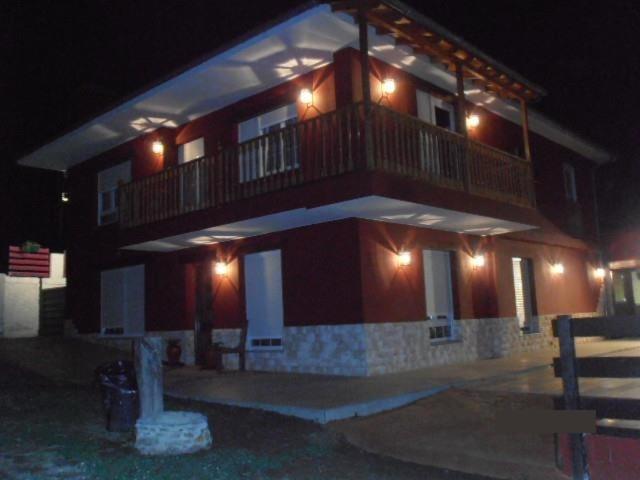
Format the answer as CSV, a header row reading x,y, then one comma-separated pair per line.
x,y
374,349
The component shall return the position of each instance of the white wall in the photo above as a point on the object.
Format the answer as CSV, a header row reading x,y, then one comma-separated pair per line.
x,y
19,306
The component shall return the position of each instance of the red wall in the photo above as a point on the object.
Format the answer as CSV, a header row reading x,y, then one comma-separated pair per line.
x,y
396,294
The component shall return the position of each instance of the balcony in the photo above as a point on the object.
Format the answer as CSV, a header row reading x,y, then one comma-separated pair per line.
x,y
332,144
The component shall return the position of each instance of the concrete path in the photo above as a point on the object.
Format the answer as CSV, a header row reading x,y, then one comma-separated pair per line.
x,y
327,398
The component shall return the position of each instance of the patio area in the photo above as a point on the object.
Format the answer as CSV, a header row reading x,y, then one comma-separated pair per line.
x,y
324,399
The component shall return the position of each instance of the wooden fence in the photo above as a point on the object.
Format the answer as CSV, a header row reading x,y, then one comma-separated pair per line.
x,y
609,411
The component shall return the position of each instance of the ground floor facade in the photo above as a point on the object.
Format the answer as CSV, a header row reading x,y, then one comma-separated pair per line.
x,y
349,297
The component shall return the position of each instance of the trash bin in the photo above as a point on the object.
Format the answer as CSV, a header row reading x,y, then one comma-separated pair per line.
x,y
119,391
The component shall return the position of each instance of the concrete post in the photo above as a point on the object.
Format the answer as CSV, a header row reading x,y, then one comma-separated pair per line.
x,y
148,361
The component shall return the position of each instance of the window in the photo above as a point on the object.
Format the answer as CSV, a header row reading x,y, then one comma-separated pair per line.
x,y
108,182
278,152
191,150
523,286
193,178
569,175
122,301
438,293
435,110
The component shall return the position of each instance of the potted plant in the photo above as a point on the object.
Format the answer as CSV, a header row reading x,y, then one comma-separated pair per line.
x,y
30,247
174,352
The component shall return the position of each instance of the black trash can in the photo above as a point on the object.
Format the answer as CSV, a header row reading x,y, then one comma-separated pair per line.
x,y
119,390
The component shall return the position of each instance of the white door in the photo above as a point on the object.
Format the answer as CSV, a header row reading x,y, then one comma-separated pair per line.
x,y
122,301
438,292
263,293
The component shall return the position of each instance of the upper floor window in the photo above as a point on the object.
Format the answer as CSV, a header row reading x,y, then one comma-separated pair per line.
x,y
192,150
108,182
569,176
435,110
278,152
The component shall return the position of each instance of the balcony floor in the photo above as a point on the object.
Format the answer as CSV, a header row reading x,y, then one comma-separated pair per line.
x,y
372,207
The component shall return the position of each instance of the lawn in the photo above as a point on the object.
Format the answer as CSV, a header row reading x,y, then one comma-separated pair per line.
x,y
55,430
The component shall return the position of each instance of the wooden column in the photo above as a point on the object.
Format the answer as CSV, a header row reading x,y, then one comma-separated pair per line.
x,y
148,362
571,392
461,108
363,39
204,310
524,113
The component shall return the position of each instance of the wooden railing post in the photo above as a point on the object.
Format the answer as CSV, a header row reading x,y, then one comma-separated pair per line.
x,y
363,37
571,393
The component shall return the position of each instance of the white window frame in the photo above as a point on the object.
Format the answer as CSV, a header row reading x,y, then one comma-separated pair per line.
x,y
524,313
431,103
439,320
190,179
277,117
111,192
569,181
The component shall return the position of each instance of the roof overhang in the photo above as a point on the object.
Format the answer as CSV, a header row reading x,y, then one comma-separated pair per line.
x,y
291,46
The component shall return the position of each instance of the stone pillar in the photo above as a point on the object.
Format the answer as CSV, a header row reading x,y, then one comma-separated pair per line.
x,y
148,359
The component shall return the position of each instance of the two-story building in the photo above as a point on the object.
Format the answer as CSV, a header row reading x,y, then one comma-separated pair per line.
x,y
352,187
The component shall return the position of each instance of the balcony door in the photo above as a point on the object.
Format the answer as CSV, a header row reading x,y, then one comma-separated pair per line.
x,y
267,145
192,177
436,158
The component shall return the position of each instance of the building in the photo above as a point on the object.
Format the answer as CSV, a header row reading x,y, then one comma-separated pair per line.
x,y
355,187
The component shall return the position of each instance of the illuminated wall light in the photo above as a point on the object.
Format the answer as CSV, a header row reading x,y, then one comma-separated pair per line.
x,y
404,258
64,197
157,147
388,86
306,96
557,268
478,261
221,269
600,273
473,121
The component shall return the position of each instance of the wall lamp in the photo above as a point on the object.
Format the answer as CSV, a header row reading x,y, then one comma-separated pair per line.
x,y
64,196
557,268
157,147
473,121
306,96
388,86
221,269
478,261
599,273
404,258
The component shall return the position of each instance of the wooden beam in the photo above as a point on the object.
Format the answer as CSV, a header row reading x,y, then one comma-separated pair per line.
x,y
526,141
611,327
604,367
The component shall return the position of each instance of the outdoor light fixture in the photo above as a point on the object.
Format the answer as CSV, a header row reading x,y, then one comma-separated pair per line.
x,y
478,261
473,121
64,197
404,258
557,268
388,86
306,97
599,273
157,147
221,269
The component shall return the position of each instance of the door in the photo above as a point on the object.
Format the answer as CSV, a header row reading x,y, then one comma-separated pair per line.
x,y
263,294
438,293
524,293
122,301
626,292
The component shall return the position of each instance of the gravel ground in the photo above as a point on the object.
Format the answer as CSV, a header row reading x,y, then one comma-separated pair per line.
x,y
55,430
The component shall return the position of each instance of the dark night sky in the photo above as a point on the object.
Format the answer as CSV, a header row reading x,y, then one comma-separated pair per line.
x,y
63,61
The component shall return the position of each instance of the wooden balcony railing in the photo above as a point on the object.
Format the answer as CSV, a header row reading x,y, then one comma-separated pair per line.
x,y
328,145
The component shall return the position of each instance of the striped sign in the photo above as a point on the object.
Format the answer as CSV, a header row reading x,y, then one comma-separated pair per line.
x,y
22,264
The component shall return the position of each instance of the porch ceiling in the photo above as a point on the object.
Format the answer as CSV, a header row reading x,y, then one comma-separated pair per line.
x,y
304,41
372,207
